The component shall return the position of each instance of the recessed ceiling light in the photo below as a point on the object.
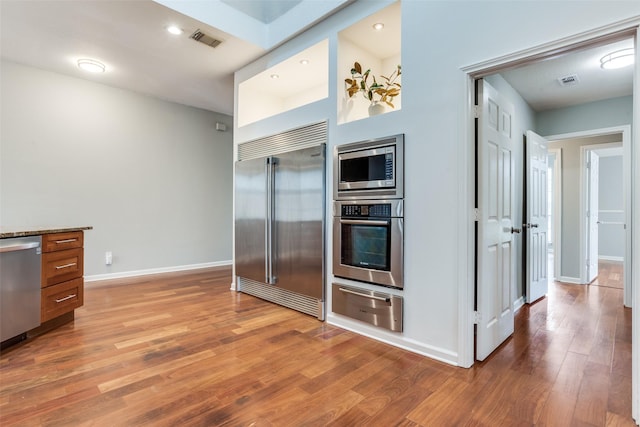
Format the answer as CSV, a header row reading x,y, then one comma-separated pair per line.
x,y
304,61
175,30
275,76
618,59
378,26
91,65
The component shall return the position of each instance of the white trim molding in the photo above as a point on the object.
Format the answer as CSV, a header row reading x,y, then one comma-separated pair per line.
x,y
557,210
572,280
517,304
633,247
394,339
146,272
610,258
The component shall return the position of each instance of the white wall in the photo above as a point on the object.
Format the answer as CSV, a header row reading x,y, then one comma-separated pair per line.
x,y
592,115
153,178
439,38
611,207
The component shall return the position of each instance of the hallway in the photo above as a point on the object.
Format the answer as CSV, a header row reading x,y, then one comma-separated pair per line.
x,y
579,336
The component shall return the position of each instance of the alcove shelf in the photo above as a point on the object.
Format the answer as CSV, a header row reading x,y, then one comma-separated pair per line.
x,y
299,80
375,48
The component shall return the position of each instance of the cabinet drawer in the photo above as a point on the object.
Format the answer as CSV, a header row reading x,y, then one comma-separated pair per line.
x,y
61,266
61,298
62,241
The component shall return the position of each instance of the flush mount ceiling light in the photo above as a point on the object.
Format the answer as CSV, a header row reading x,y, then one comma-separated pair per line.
x,y
304,62
91,65
618,59
176,31
274,76
378,26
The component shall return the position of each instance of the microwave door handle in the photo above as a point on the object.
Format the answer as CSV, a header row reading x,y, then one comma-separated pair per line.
x,y
363,222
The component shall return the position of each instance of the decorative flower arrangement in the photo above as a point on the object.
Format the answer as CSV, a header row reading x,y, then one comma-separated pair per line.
x,y
373,91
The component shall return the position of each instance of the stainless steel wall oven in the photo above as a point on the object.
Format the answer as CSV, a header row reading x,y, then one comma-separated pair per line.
x,y
368,241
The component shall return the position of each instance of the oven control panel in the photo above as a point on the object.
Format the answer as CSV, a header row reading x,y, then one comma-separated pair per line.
x,y
370,210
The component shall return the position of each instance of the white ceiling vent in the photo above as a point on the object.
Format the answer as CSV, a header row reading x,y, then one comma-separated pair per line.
x,y
570,80
201,37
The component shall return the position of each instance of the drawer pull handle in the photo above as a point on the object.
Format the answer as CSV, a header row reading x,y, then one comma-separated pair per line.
x,y
66,241
65,298
349,291
60,267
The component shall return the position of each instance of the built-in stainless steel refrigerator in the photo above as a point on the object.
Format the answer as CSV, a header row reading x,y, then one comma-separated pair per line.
x,y
279,228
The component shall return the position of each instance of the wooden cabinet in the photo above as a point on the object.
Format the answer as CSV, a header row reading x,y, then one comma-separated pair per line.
x,y
62,270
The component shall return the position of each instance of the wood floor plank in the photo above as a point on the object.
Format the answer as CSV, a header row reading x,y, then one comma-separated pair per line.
x,y
593,397
181,349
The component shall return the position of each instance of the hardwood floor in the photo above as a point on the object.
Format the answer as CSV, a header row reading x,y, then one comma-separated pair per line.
x,y
183,350
609,274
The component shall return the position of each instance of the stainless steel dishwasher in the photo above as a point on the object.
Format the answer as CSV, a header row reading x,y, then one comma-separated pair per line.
x,y
19,286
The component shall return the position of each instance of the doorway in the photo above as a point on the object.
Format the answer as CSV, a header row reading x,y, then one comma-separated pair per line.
x,y
611,216
488,68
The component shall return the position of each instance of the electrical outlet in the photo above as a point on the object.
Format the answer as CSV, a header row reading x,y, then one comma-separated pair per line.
x,y
108,258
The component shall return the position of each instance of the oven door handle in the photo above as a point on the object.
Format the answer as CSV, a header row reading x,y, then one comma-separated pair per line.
x,y
349,291
363,222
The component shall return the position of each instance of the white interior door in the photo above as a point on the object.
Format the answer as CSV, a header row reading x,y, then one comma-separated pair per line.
x,y
593,177
495,249
537,224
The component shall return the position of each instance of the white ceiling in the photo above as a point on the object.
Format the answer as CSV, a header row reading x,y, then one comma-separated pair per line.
x,y
129,36
538,83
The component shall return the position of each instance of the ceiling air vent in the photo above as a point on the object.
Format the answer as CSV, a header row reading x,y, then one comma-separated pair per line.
x,y
201,37
570,80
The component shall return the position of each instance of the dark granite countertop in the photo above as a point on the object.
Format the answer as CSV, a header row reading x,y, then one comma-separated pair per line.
x,y
8,232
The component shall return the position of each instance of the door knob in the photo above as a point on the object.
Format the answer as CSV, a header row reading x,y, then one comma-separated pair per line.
x,y
533,225
515,230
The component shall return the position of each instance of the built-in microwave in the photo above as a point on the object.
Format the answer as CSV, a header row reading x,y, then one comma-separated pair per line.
x,y
369,169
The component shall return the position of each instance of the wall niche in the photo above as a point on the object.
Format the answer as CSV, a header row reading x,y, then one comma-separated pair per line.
x,y
299,80
375,43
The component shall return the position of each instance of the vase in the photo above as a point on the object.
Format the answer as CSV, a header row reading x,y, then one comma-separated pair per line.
x,y
376,108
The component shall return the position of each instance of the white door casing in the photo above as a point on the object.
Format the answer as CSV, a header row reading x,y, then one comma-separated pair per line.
x,y
593,177
495,247
536,225
557,212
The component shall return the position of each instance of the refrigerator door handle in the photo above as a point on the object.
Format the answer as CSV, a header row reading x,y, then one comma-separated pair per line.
x,y
269,249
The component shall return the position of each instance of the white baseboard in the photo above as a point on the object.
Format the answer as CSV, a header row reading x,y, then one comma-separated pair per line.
x,y
517,304
136,273
393,338
610,258
567,279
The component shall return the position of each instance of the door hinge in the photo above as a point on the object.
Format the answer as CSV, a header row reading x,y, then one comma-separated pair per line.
x,y
476,318
477,111
476,214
